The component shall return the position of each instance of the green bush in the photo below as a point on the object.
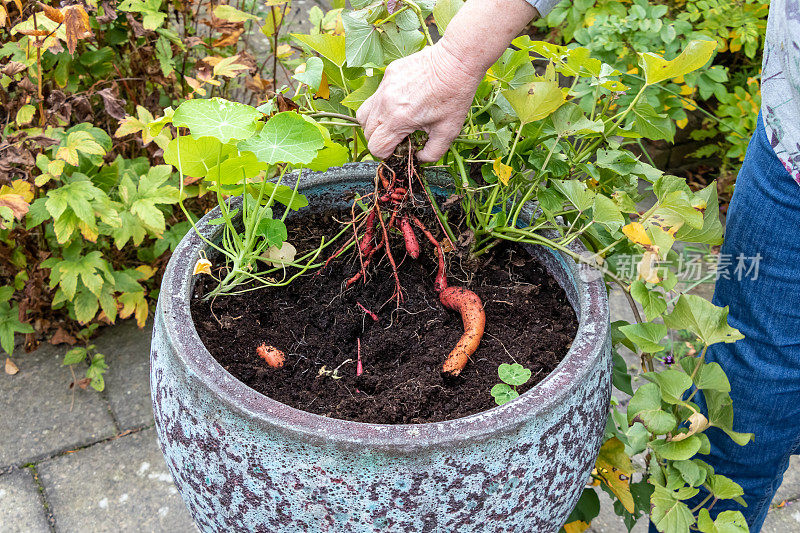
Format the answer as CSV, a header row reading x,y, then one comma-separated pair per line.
x,y
725,97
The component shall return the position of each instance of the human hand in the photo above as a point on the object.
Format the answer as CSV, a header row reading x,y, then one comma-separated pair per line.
x,y
431,91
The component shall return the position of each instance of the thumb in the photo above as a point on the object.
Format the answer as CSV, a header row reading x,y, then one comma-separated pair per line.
x,y
438,142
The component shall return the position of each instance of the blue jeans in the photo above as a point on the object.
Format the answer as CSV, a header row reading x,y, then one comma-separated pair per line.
x,y
764,367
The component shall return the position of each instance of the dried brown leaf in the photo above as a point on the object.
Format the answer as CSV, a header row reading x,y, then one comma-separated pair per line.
x,y
13,67
61,336
11,367
76,26
52,13
114,106
229,39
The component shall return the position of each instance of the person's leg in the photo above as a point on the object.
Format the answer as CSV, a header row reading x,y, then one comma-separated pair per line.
x,y
764,368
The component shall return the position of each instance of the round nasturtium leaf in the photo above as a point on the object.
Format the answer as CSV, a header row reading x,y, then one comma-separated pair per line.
x,y
514,374
218,118
286,138
502,393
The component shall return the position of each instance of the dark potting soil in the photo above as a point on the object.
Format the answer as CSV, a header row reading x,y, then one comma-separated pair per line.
x,y
319,326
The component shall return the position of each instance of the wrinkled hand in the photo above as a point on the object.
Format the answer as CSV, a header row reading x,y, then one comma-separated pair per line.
x,y
431,91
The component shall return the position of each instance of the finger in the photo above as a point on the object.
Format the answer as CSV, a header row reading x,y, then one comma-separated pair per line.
x,y
363,112
439,140
384,140
372,117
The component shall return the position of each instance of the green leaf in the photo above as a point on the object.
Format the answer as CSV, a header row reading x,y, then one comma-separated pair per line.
x,y
9,325
332,155
235,169
362,43
286,138
514,374
677,450
164,55
273,230
398,43
535,100
673,383
720,414
569,120
219,118
312,76
690,472
726,522
712,377
331,47
231,14
652,125
675,210
74,356
652,301
607,213
711,231
723,487
367,89
645,405
669,513
25,114
502,393
86,306
444,11
196,157
96,370
695,55
646,336
702,318
576,192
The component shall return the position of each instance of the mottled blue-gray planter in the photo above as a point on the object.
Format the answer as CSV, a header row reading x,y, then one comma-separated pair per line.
x,y
244,462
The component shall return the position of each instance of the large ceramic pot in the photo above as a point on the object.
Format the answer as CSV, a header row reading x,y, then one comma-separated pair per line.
x,y
245,462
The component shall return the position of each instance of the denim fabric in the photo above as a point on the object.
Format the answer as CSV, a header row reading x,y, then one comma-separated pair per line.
x,y
764,367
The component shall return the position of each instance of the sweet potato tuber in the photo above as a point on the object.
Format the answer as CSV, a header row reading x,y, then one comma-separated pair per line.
x,y
412,244
473,316
273,356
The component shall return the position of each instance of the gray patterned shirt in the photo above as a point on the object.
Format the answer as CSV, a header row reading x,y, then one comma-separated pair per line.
x,y
780,79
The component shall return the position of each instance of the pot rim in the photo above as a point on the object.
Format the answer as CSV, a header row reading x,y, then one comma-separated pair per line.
x,y
174,301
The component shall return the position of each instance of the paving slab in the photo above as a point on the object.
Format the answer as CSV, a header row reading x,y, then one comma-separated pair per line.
x,y
790,488
118,485
783,520
41,415
21,509
127,351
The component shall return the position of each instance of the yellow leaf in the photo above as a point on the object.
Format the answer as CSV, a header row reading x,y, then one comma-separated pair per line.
x,y
615,469
686,90
284,51
578,526
21,187
636,233
25,114
697,422
695,55
324,90
16,198
681,123
647,268
535,100
203,266
502,171
147,270
228,67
